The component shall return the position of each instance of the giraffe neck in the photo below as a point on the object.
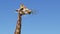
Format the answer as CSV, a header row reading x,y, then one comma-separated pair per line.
x,y
18,26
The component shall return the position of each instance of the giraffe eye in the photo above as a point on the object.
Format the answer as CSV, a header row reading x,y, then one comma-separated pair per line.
x,y
21,9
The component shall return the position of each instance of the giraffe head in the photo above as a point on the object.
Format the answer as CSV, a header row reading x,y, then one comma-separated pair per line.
x,y
23,10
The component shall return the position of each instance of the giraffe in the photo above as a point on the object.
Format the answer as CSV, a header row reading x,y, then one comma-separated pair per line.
x,y
21,11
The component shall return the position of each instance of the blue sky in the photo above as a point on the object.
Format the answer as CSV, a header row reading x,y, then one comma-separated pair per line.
x,y
47,21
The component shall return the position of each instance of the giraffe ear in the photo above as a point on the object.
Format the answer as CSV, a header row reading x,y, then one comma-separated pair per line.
x,y
16,10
